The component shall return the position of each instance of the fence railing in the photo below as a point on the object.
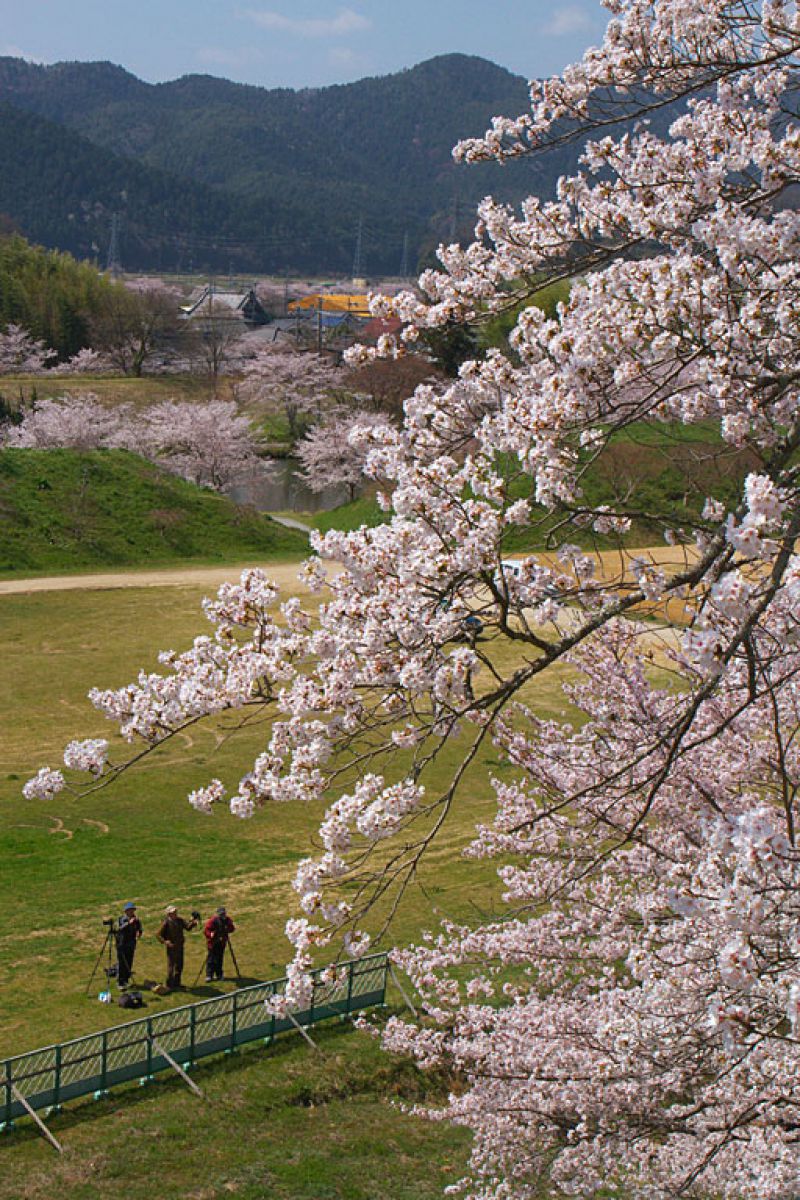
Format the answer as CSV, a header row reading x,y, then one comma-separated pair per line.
x,y
95,1063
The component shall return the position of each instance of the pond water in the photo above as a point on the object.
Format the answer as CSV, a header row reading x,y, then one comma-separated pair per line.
x,y
278,487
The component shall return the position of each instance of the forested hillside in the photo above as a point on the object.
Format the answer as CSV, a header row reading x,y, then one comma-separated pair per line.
x,y
62,190
209,172
48,292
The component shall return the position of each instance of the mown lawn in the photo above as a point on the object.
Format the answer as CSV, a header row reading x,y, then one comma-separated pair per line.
x,y
283,1122
70,862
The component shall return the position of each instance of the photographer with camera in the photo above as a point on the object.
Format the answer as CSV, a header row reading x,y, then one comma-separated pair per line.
x,y
127,931
171,934
217,930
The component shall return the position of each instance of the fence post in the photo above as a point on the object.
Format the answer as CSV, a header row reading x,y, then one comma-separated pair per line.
x,y
271,1033
350,966
102,1092
8,1123
192,1032
234,1014
148,1077
56,1105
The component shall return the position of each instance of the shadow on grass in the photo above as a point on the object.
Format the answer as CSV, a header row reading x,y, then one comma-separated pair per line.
x,y
125,1096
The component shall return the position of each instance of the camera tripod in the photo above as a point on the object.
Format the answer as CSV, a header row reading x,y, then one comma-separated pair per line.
x,y
107,950
228,946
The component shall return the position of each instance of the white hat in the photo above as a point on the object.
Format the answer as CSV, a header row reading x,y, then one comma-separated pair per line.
x,y
171,909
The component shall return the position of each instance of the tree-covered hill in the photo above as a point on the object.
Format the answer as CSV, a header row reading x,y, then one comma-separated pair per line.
x,y
47,291
292,172
62,189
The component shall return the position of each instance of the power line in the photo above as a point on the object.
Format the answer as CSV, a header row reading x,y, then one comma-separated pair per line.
x,y
357,268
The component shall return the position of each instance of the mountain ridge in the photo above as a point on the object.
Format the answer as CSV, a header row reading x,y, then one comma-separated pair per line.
x,y
294,174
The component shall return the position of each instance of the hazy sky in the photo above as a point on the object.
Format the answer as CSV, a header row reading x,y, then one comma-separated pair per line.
x,y
298,43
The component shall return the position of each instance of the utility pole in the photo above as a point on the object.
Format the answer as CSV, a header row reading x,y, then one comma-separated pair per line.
x,y
404,259
113,265
357,256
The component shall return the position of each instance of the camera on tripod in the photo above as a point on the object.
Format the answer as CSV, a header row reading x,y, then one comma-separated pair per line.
x,y
109,922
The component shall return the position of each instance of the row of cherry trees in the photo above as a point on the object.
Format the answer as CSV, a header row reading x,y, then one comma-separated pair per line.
x,y
210,444
630,1022
213,442
23,354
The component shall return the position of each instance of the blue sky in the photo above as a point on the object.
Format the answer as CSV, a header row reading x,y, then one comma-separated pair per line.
x,y
299,43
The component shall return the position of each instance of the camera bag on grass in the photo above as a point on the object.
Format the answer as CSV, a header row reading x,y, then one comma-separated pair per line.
x,y
130,1000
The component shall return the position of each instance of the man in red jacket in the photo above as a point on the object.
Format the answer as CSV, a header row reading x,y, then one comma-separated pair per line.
x,y
217,930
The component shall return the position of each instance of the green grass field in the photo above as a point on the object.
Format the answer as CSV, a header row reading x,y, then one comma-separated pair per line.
x,y
63,510
71,862
284,1122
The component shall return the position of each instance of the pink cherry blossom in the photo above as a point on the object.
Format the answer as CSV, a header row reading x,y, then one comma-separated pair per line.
x,y
626,1021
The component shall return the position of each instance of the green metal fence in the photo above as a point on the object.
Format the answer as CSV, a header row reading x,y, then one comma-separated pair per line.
x,y
93,1064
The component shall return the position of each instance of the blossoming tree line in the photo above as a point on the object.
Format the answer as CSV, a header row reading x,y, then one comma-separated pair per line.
x,y
630,1024
210,443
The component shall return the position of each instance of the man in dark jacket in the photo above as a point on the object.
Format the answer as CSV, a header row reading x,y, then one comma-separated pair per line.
x,y
217,930
127,932
171,934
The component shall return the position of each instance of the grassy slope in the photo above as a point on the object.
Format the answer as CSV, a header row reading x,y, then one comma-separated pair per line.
x,y
71,861
302,1127
63,510
286,1123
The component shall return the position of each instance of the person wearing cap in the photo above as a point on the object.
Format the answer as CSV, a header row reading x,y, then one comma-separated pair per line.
x,y
217,930
171,935
127,932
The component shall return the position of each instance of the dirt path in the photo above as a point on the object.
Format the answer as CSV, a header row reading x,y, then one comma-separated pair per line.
x,y
285,574
207,577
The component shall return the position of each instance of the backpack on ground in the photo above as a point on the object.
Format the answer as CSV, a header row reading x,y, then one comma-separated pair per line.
x,y
130,1000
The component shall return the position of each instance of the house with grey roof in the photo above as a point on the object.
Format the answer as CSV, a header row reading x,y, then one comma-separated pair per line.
x,y
211,304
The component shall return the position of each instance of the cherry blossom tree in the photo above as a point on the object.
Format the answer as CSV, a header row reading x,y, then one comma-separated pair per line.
x,y
295,384
334,452
21,353
210,444
79,422
629,1023
85,362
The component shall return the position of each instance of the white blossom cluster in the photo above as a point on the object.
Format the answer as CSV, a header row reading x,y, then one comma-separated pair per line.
x,y
628,1021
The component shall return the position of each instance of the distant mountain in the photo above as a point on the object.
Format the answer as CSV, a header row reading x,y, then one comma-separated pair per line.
x,y
214,173
393,130
62,189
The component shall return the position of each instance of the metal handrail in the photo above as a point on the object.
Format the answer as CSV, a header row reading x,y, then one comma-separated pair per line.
x,y
97,1061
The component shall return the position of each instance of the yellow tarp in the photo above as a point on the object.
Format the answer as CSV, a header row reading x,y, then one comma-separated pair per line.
x,y
334,302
